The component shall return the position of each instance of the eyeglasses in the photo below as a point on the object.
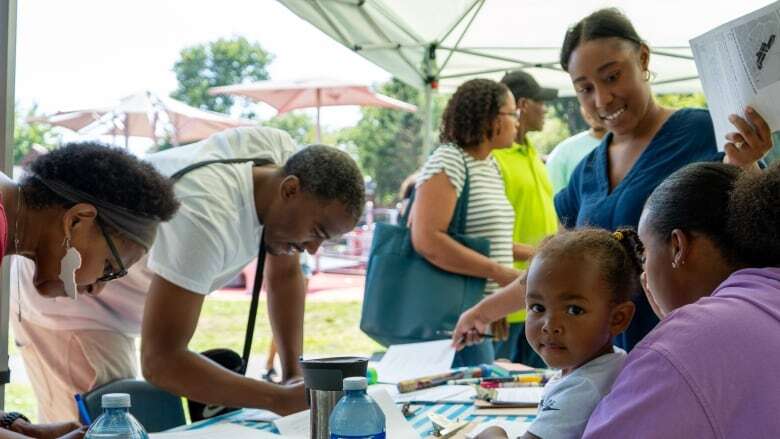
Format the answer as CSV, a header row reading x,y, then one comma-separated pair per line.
x,y
108,273
508,113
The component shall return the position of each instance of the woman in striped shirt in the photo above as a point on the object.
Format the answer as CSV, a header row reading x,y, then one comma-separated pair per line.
x,y
481,116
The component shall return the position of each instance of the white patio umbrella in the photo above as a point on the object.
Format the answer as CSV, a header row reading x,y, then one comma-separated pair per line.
x,y
146,115
312,93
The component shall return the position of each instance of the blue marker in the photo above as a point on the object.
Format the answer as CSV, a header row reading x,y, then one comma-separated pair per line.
x,y
85,419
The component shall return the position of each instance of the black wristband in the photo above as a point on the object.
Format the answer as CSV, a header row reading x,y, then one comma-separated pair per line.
x,y
11,417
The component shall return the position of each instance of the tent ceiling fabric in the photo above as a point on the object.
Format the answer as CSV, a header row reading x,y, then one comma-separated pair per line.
x,y
485,38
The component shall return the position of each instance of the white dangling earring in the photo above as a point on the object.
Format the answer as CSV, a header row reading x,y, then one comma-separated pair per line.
x,y
68,266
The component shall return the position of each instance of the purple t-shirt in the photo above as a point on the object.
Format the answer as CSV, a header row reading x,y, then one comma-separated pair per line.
x,y
708,370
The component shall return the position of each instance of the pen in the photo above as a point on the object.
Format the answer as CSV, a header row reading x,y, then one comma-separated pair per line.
x,y
85,419
495,380
493,385
450,333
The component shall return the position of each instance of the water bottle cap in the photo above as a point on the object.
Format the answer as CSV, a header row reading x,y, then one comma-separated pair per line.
x,y
355,383
115,400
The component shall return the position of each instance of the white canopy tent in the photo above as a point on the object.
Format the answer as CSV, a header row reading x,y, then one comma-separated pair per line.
x,y
441,43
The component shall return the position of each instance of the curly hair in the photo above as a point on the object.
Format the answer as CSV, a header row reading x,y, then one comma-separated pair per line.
x,y
604,23
754,217
107,173
470,112
329,174
619,255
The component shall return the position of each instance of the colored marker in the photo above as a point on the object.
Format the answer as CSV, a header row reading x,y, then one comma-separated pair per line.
x,y
85,419
537,378
442,378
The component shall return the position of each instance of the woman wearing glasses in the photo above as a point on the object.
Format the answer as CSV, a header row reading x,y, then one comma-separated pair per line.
x,y
480,117
84,213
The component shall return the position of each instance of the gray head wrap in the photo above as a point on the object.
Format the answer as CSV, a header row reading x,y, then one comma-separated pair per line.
x,y
135,226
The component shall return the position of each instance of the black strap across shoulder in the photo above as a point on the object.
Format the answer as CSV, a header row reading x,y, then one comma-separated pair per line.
x,y
250,326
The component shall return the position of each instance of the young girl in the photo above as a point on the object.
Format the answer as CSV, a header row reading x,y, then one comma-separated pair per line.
x,y
578,299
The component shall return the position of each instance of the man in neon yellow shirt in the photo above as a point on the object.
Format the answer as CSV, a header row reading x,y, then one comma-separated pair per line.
x,y
530,192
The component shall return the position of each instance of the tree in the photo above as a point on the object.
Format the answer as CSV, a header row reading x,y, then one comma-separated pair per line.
x,y
299,125
675,100
221,62
389,142
29,136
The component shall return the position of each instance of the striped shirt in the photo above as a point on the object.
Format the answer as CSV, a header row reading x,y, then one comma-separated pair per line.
x,y
489,215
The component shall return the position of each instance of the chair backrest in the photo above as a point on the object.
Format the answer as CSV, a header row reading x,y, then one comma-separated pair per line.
x,y
157,410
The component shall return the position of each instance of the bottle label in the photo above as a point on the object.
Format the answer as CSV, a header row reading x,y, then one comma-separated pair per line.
x,y
373,436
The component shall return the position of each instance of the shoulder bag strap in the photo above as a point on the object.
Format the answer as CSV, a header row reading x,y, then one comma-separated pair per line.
x,y
458,222
250,326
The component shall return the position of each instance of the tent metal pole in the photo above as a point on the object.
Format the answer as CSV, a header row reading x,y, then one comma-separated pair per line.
x,y
460,19
477,72
7,79
673,80
331,22
463,34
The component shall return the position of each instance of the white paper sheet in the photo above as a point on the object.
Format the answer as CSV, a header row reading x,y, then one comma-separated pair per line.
x,y
396,425
518,395
512,429
295,425
414,360
231,431
739,65
451,394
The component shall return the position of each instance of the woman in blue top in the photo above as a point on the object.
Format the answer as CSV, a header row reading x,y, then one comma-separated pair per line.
x,y
608,64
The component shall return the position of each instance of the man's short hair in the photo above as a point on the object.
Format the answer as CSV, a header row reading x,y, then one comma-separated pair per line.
x,y
329,174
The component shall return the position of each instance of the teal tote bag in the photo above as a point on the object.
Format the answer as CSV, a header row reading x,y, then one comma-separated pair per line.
x,y
407,299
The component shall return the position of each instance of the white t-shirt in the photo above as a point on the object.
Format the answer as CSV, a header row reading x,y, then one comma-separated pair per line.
x,y
212,237
568,401
489,214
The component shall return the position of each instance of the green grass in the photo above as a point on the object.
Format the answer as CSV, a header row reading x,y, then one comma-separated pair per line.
x,y
330,328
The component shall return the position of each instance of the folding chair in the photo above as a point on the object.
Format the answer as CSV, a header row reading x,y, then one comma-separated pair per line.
x,y
157,410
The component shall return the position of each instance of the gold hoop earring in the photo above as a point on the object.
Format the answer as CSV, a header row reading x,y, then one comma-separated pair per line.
x,y
647,75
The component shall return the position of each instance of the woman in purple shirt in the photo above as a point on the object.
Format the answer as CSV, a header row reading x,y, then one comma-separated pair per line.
x,y
708,370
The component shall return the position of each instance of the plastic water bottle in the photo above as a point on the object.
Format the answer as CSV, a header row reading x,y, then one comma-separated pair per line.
x,y
116,422
356,416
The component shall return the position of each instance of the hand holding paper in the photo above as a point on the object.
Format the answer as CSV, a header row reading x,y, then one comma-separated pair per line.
x,y
752,141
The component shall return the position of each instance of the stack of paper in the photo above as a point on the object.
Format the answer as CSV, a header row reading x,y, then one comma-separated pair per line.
x,y
415,360
518,396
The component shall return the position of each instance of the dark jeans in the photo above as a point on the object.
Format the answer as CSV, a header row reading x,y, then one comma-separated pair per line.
x,y
517,349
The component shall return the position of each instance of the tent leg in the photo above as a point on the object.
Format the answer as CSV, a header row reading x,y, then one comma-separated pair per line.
x,y
7,77
427,125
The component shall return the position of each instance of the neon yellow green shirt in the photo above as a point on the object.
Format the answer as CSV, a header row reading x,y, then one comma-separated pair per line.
x,y
530,192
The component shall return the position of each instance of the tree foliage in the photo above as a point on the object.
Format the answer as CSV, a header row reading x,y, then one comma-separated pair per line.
x,y
28,136
220,62
299,125
389,142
